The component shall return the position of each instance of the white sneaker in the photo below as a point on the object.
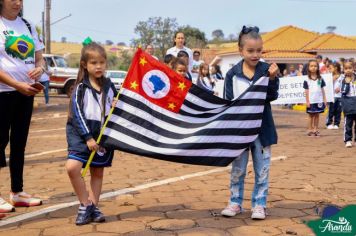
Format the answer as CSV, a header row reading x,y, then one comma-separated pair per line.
x,y
258,213
23,199
330,127
336,127
5,206
231,210
348,144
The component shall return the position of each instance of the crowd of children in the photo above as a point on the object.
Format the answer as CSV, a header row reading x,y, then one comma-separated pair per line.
x,y
344,87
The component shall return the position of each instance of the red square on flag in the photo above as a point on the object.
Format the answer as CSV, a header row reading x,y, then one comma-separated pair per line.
x,y
156,82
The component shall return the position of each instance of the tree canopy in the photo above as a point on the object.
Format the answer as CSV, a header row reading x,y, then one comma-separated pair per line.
x,y
160,32
156,31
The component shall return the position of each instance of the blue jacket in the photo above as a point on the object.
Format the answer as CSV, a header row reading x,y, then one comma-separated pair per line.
x,y
348,99
268,134
87,114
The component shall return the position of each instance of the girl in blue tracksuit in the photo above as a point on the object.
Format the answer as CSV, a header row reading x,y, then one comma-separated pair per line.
x,y
348,100
204,80
237,80
90,104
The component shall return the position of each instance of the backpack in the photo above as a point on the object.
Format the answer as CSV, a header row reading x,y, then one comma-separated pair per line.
x,y
27,24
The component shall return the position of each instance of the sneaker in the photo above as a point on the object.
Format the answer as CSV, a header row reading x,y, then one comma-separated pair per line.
x,y
23,199
348,144
310,133
317,133
5,206
330,127
336,127
84,214
231,210
97,215
258,213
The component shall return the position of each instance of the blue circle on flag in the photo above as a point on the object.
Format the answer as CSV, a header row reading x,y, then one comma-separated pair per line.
x,y
156,84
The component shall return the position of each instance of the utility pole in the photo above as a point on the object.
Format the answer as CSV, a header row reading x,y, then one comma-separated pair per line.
x,y
43,27
48,26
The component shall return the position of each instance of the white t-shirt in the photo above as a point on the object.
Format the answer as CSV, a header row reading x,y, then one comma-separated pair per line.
x,y
17,50
315,90
174,51
44,77
240,85
338,84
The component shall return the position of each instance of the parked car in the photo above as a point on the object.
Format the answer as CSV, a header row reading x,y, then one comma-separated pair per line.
x,y
117,77
62,78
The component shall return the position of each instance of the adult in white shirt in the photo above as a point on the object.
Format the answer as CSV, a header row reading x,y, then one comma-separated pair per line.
x,y
179,42
21,64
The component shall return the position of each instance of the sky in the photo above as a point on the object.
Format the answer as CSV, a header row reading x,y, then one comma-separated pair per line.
x,y
115,20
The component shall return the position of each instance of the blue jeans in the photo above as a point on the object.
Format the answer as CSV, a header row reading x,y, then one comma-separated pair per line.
x,y
261,157
45,90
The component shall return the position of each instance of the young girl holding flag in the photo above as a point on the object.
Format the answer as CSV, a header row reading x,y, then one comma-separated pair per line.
x,y
90,104
237,80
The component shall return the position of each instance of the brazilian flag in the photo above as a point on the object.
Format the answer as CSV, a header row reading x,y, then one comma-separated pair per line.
x,y
21,47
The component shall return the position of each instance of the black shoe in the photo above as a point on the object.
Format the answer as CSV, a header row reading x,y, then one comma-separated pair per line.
x,y
97,216
84,214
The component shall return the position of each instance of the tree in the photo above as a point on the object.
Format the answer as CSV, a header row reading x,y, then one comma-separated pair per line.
x,y
121,44
63,39
194,38
330,29
125,60
218,34
109,42
156,31
112,61
232,37
39,30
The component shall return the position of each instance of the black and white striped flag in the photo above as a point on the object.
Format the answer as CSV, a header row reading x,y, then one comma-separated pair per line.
x,y
205,130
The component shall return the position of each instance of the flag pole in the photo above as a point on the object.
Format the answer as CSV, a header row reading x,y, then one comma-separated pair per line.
x,y
100,135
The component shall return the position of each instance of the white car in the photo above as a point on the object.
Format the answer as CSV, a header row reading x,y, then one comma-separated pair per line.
x,y
62,77
117,77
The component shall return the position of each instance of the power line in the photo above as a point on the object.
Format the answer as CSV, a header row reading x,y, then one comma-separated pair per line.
x,y
325,1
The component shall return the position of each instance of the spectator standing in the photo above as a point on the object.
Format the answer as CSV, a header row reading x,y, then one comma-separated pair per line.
x,y
21,65
150,50
179,45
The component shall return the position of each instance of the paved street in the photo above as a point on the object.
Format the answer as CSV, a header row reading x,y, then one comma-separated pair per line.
x,y
150,197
